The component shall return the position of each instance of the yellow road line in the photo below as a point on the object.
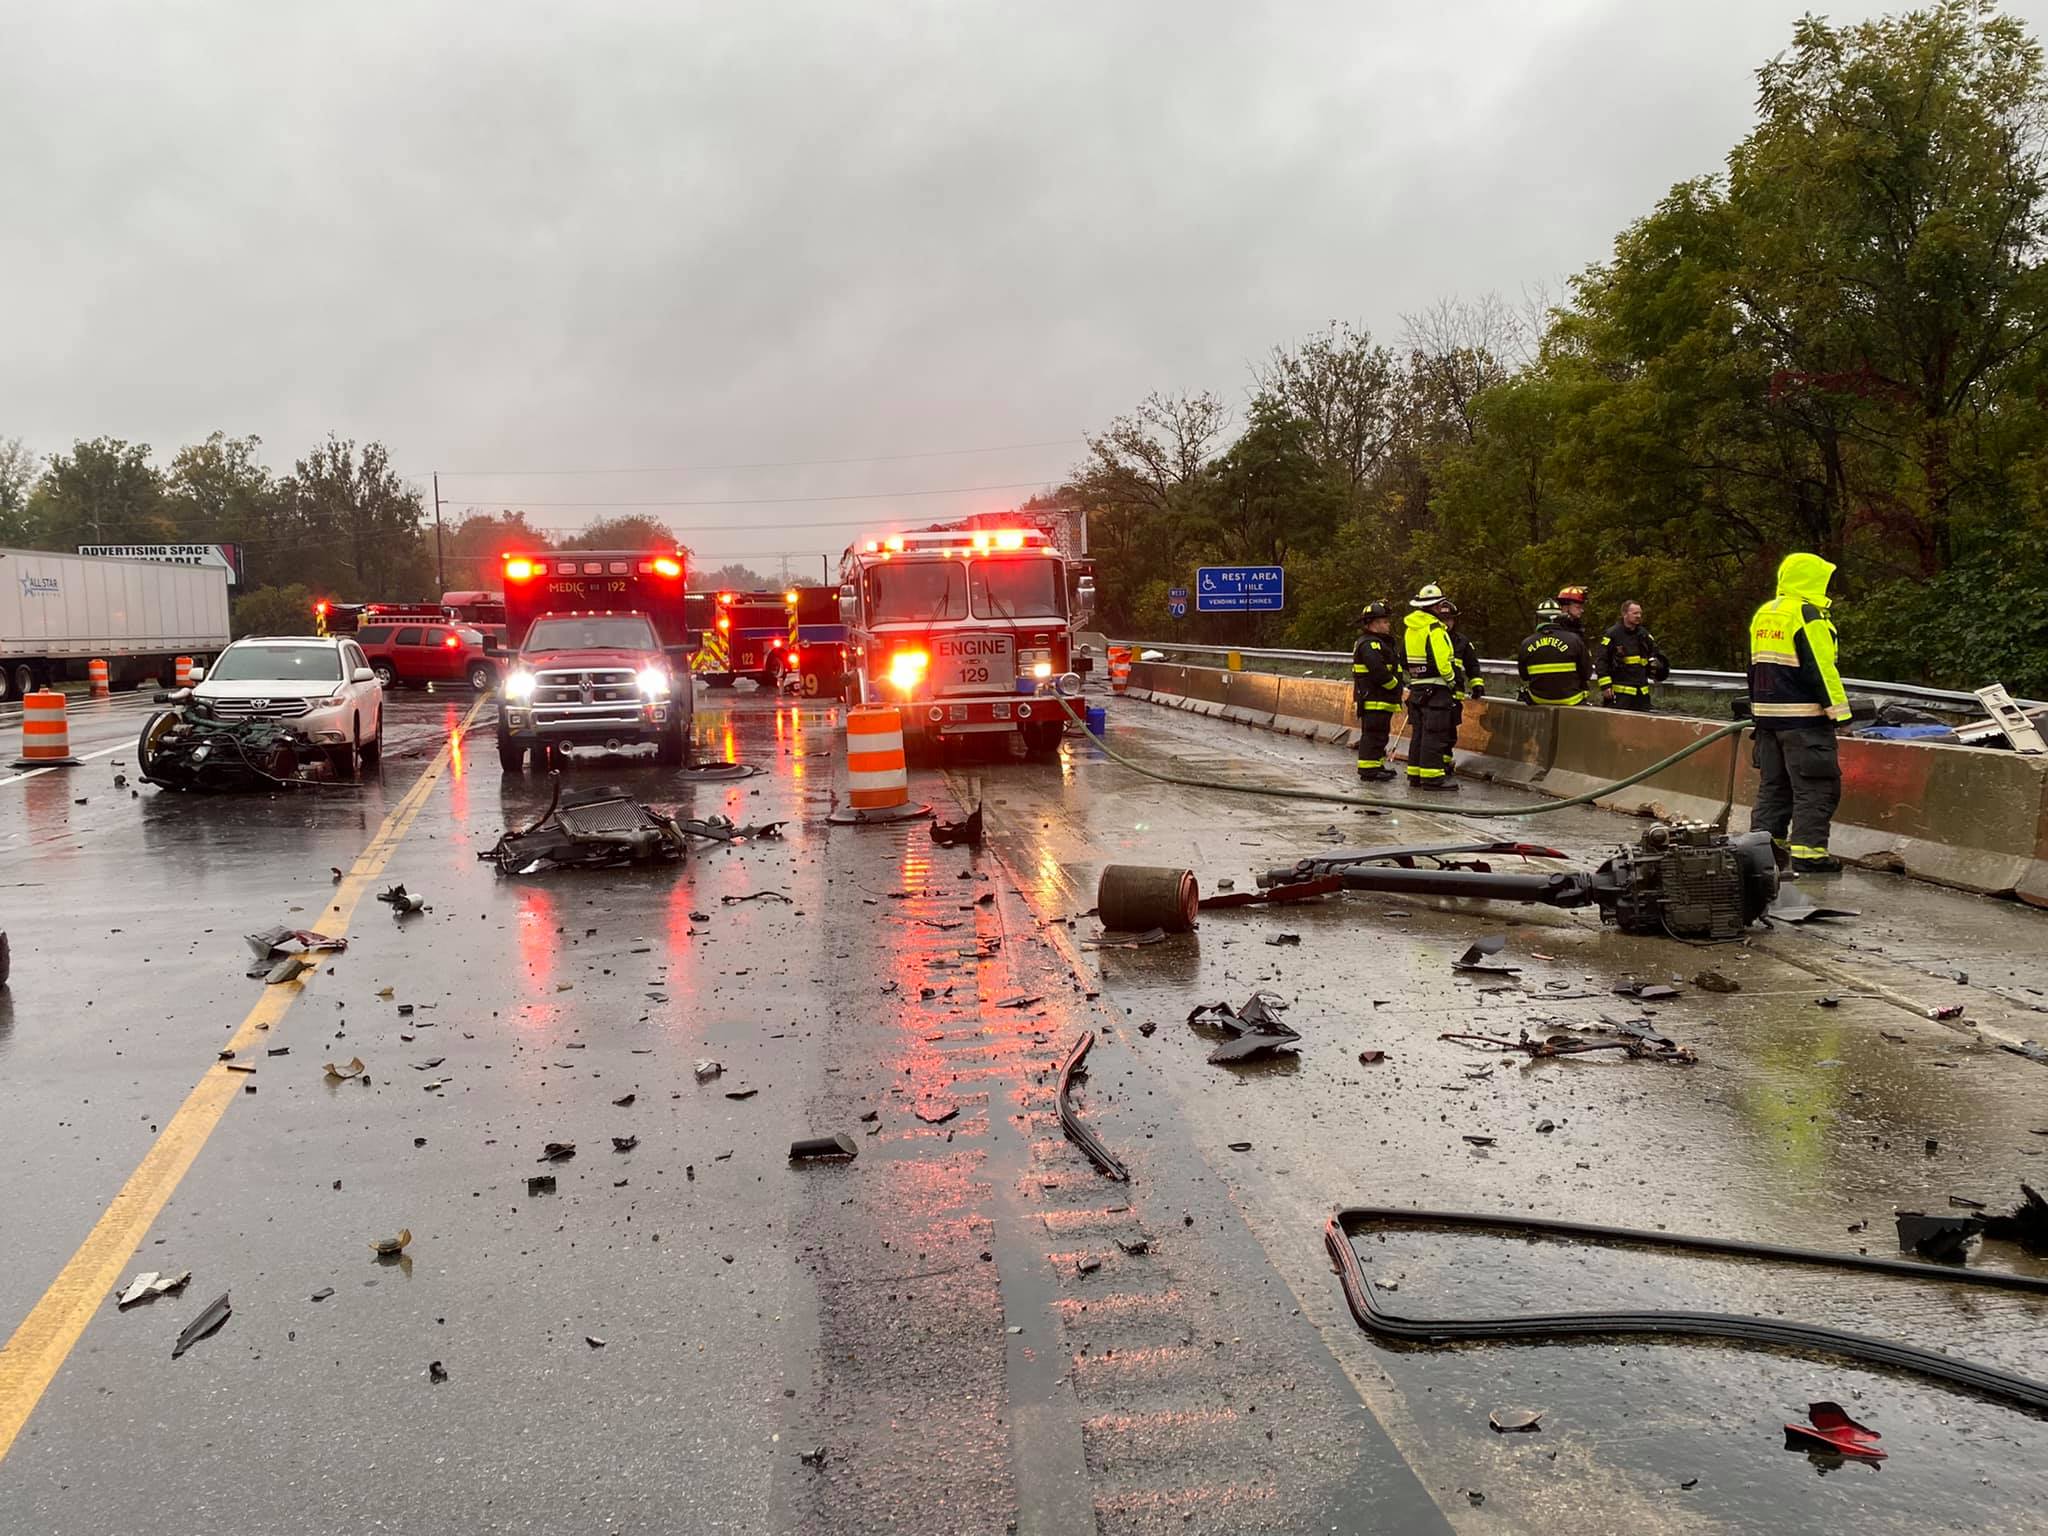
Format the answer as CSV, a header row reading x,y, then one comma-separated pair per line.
x,y
32,1357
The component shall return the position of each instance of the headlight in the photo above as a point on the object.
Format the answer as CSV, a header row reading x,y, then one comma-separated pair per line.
x,y
519,686
1041,670
654,682
907,669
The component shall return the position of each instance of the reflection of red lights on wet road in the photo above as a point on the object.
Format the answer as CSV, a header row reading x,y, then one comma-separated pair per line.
x,y
538,942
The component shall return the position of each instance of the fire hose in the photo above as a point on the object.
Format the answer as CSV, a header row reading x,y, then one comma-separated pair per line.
x,y
1325,797
1762,1332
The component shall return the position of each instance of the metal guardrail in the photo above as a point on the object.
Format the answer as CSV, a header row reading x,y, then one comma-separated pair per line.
x,y
1713,682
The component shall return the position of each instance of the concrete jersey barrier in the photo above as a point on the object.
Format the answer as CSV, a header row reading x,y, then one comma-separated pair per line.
x,y
1966,817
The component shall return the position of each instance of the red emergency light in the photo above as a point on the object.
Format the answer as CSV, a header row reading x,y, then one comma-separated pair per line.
x,y
518,570
450,641
725,599
321,606
663,566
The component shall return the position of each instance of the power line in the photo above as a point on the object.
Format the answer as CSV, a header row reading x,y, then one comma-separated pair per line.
x,y
709,469
760,501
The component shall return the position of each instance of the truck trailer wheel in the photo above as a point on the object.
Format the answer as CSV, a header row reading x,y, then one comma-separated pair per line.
x,y
20,681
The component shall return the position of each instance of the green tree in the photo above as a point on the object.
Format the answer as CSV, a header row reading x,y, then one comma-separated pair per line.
x,y
632,531
104,491
219,491
361,524
18,475
274,611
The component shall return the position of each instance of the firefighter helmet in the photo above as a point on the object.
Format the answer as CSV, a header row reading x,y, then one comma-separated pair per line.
x,y
1429,597
1572,595
1548,609
1378,608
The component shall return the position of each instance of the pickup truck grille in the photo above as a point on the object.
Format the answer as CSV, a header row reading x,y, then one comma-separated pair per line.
x,y
259,709
564,686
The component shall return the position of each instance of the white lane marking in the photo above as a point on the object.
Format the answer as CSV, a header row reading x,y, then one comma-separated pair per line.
x,y
82,757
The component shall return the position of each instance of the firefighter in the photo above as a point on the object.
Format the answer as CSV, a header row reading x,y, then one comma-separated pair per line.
x,y
1432,672
1555,665
1630,660
1375,689
1795,701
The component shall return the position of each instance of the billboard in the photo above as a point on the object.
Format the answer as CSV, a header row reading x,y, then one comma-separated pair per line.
x,y
225,557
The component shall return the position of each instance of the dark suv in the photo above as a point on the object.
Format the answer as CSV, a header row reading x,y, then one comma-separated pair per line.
x,y
425,652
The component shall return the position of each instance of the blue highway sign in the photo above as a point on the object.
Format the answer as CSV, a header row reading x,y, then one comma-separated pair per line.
x,y
1240,589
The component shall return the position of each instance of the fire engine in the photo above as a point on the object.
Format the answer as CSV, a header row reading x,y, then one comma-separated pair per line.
x,y
816,653
967,630
602,645
745,637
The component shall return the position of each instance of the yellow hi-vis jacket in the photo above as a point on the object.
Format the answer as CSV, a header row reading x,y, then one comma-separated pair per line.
x,y
1793,680
1426,649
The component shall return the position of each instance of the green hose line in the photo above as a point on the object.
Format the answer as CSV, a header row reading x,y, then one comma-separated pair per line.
x,y
1320,797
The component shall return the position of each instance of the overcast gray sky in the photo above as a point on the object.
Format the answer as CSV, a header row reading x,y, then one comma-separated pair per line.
x,y
509,236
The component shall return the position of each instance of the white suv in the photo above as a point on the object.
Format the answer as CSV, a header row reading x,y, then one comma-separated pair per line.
x,y
320,686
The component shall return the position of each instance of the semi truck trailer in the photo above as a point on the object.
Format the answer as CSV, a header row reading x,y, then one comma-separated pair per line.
x,y
59,613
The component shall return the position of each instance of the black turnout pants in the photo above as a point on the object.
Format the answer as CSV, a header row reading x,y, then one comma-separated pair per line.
x,y
1802,785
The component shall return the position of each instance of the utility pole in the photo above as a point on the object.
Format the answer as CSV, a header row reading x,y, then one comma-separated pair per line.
x,y
440,560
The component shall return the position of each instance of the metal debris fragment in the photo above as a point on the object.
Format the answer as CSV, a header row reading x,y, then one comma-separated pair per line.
x,y
965,833
811,1148
403,903
344,1073
540,1183
208,1321
1257,1026
391,1247
557,1152
1512,1421
1070,1122
625,1143
1474,958
706,1069
149,1285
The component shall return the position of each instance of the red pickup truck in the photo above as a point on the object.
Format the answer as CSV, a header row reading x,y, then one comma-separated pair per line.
x,y
602,655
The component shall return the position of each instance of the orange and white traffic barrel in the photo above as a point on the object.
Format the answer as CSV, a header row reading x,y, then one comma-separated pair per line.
x,y
45,733
877,769
97,672
1119,668
184,672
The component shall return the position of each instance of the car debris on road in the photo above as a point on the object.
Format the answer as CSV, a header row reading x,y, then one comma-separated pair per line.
x,y
1257,1027
149,1285
207,1322
589,828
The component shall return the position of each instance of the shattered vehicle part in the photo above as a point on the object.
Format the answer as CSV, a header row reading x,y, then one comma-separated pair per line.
x,y
1475,957
208,1321
273,943
557,1152
625,1143
290,968
838,1145
1944,1239
734,901
540,1183
2025,1224
706,1069
342,1074
716,773
1135,898
403,903
392,1247
1795,906
1257,1026
149,1285
184,747
964,833
589,828
1362,1296
720,829
1306,890
1514,1421
1070,1122
1831,1429
1683,879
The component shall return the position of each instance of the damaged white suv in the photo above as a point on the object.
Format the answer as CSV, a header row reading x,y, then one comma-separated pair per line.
x,y
320,686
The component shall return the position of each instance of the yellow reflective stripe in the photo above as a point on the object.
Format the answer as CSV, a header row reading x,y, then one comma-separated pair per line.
x,y
1775,658
1425,773
1388,706
1629,688
1786,711
1803,851
1552,666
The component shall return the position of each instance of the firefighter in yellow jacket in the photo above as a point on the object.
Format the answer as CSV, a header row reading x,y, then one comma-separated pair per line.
x,y
1431,667
1795,702
1375,688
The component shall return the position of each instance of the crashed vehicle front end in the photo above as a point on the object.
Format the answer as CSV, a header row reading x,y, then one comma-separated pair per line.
x,y
188,746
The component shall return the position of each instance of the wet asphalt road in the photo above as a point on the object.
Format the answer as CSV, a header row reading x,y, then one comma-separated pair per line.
x,y
1181,1357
